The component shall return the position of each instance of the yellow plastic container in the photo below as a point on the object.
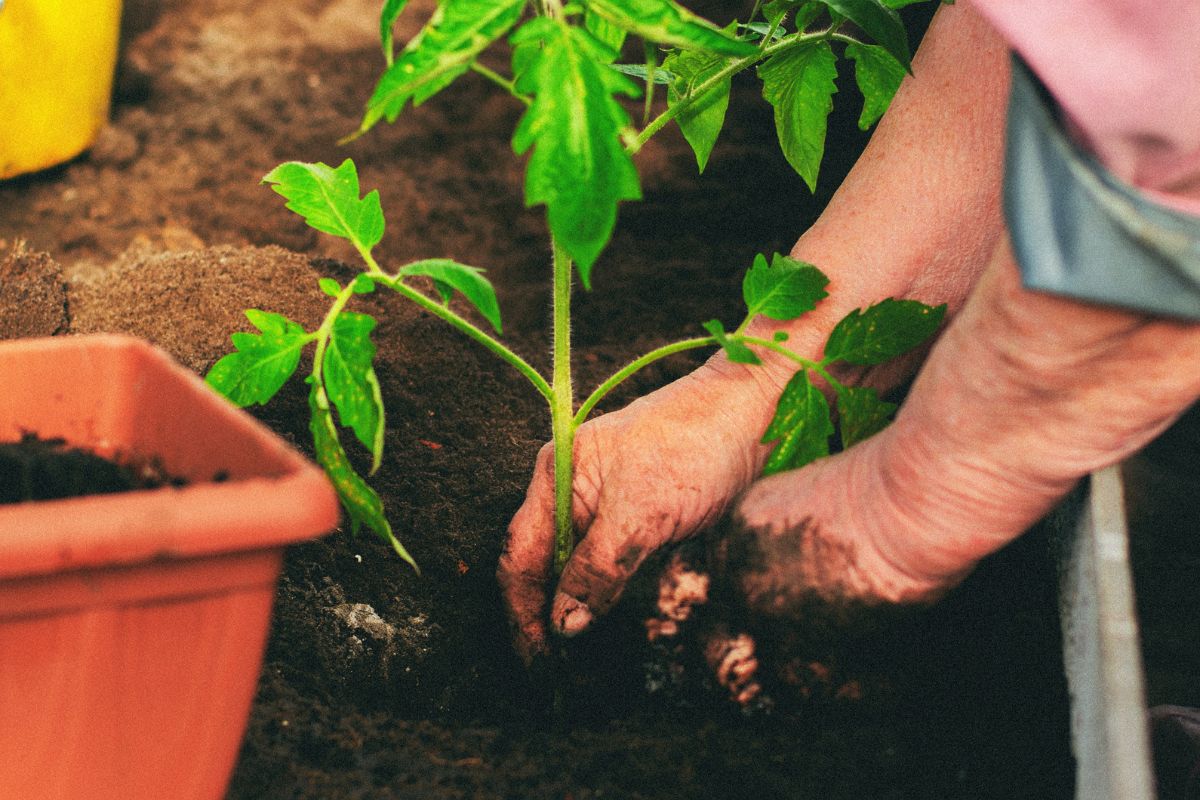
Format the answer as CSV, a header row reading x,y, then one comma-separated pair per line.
x,y
57,59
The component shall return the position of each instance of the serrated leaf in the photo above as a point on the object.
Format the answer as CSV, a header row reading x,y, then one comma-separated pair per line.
x,y
330,287
703,116
801,427
879,22
799,84
640,72
807,12
735,349
387,18
610,35
328,200
878,76
579,168
350,380
784,290
456,33
897,4
262,362
861,414
360,501
882,332
449,275
667,22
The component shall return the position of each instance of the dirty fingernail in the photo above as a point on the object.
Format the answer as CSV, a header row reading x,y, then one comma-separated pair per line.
x,y
571,616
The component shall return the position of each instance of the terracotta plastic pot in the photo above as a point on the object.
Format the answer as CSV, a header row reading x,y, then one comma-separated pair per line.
x,y
57,59
132,626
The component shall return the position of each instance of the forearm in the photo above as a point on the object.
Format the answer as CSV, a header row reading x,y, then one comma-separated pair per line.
x,y
919,213
1024,395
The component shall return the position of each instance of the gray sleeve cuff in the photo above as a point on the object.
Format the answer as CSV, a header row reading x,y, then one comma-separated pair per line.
x,y
1079,231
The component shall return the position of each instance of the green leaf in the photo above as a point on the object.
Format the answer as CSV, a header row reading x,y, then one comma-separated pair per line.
x,y
799,83
878,76
667,22
879,22
610,35
703,117
328,200
449,275
262,363
784,290
579,168
807,12
363,284
861,414
897,4
801,427
360,501
350,379
330,287
387,18
456,33
640,72
735,349
882,332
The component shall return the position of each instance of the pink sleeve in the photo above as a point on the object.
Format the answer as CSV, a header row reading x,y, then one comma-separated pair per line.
x,y
1127,74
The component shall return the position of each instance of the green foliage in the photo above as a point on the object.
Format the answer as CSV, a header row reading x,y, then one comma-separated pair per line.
x,y
669,23
801,427
610,35
262,362
360,501
578,168
784,290
448,276
444,49
735,348
703,115
878,76
392,9
350,380
879,22
799,84
861,414
580,143
882,332
328,200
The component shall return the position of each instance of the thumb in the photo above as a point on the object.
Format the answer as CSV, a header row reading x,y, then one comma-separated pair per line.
x,y
598,570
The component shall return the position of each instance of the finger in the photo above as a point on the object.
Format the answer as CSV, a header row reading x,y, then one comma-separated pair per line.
x,y
596,574
525,566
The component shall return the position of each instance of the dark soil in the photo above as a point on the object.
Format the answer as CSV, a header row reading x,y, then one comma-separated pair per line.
x,y
47,469
379,683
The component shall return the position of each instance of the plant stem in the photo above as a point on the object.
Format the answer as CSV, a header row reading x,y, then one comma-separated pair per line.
x,y
629,369
816,366
562,408
732,68
465,326
501,81
323,333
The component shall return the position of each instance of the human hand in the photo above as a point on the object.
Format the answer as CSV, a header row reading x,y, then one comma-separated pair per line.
x,y
652,473
1024,394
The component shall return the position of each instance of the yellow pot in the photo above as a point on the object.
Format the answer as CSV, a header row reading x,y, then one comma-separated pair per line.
x,y
56,68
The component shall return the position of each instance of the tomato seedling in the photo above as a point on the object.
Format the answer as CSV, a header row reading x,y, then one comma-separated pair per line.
x,y
581,144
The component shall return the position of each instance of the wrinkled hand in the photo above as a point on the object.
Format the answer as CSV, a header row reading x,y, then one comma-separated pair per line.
x,y
650,474
1022,396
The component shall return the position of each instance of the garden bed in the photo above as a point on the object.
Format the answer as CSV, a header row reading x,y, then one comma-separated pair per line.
x,y
379,683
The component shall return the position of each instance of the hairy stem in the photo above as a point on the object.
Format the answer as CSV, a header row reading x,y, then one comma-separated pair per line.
x,y
629,369
732,68
562,408
501,81
446,314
